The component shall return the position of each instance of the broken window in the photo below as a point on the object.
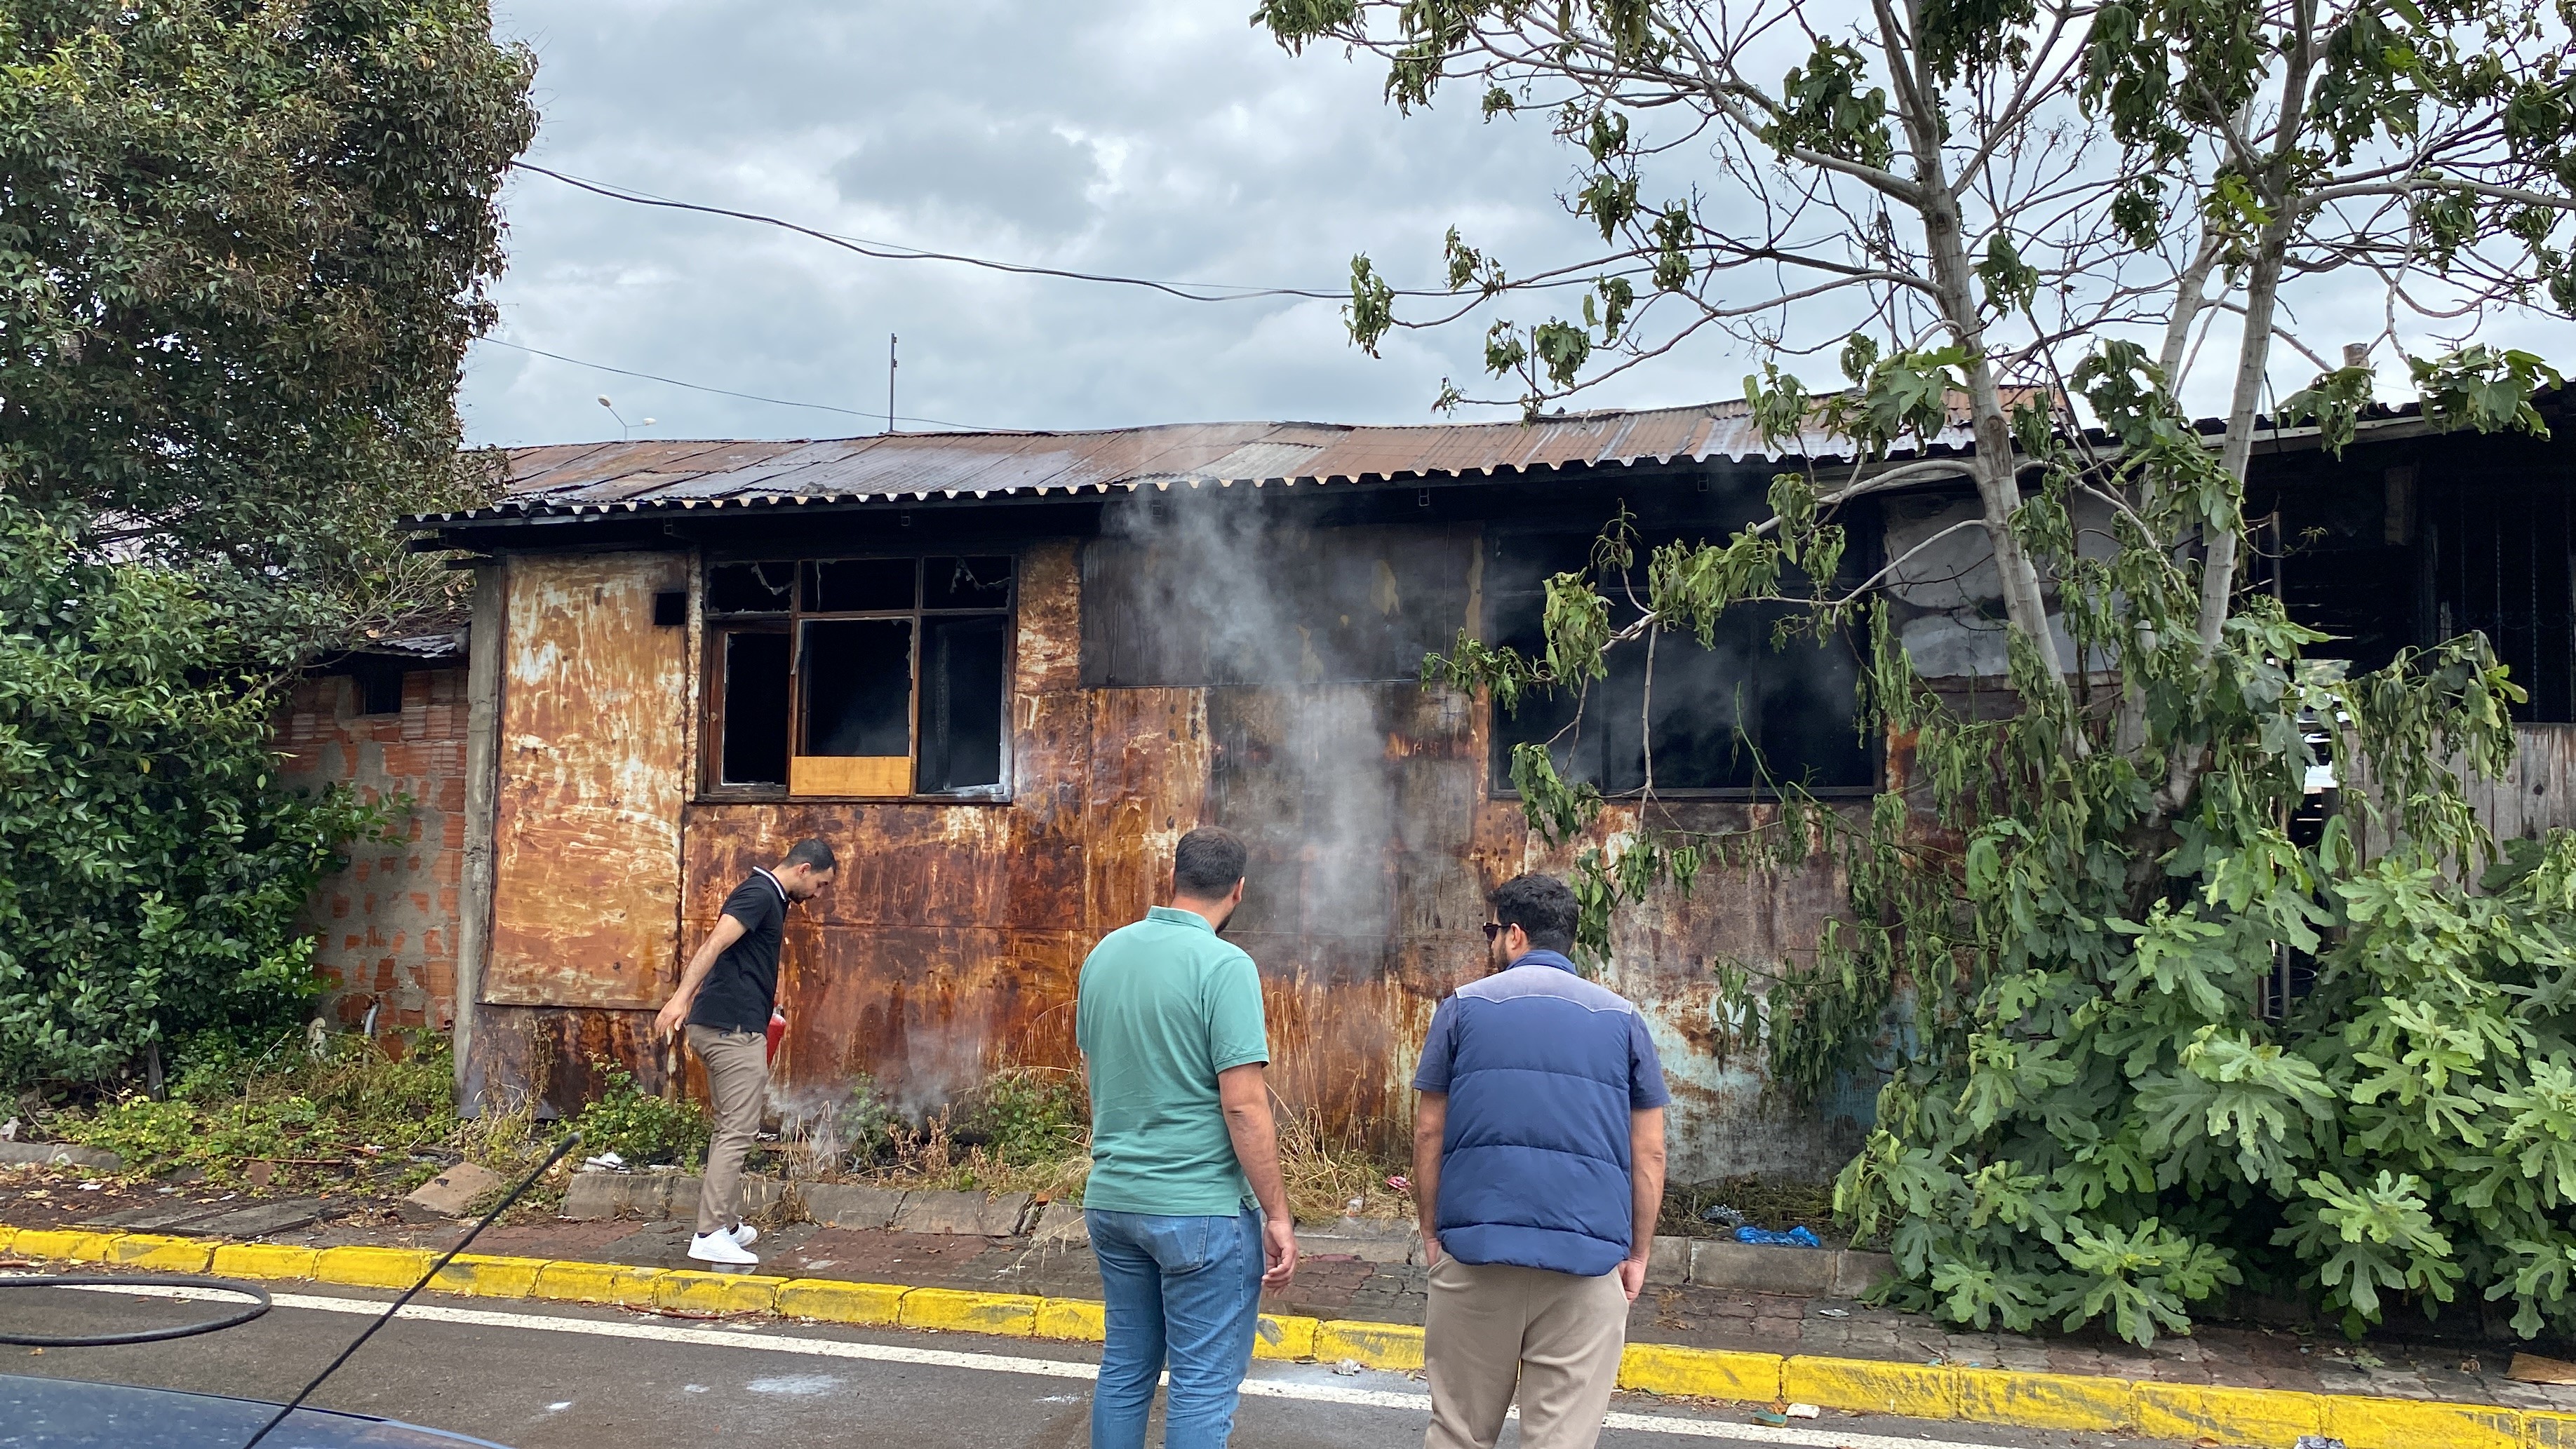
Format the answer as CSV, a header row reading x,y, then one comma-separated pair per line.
x,y
1222,593
860,676
1750,714
2414,542
753,720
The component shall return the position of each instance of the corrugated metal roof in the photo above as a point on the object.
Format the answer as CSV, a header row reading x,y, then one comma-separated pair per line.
x,y
600,478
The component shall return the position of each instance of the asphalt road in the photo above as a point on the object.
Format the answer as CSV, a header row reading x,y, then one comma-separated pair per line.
x,y
564,1377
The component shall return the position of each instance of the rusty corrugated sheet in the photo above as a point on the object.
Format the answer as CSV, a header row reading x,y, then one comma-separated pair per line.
x,y
593,770
573,479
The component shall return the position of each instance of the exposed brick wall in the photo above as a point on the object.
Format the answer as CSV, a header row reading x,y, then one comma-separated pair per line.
x,y
387,924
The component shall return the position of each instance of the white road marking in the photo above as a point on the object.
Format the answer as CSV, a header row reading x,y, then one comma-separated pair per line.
x,y
1257,1388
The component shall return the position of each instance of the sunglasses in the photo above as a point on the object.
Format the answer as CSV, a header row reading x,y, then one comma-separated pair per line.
x,y
1493,929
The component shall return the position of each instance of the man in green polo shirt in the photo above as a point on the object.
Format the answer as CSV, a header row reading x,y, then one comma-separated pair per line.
x,y
1187,1212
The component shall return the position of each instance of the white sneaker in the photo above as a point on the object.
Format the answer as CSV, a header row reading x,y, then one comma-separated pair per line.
x,y
744,1235
720,1247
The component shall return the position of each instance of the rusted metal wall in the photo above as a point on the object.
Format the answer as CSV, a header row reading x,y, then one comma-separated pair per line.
x,y
951,942
594,766
957,930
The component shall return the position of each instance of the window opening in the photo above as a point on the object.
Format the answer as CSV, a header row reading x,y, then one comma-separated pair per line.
x,y
864,676
754,722
1748,714
750,588
961,703
380,690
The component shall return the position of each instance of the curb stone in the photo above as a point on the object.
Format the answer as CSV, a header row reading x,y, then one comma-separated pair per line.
x,y
58,1154
2235,1416
1704,1262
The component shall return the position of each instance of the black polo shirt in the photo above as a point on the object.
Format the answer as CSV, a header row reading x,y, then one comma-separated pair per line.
x,y
743,985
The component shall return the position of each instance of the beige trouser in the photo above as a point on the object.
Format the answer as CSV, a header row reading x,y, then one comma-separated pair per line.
x,y
737,1065
1493,1328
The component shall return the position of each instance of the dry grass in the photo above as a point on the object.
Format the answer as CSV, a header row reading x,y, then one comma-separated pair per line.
x,y
1324,1172
1327,1172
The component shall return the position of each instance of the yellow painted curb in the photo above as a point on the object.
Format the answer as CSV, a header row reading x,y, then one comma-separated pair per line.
x,y
485,1277
1081,1321
688,1291
2233,1416
67,1243
1913,1391
597,1283
263,1260
1284,1337
1700,1373
2047,1401
959,1310
832,1301
2408,1423
2548,1430
161,1255
372,1267
1396,1346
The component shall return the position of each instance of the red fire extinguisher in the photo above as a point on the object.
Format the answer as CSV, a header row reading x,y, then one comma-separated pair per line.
x,y
777,1029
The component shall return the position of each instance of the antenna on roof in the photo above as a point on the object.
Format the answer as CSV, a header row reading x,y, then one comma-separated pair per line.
x,y
890,382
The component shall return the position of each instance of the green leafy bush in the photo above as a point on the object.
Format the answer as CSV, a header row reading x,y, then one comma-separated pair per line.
x,y
1025,1116
152,862
640,1127
359,1104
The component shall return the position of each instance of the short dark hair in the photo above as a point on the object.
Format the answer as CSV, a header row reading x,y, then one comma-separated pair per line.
x,y
811,851
1207,863
1542,906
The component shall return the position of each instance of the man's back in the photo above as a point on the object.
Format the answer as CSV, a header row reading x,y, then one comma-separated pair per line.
x,y
1163,1006
1542,1070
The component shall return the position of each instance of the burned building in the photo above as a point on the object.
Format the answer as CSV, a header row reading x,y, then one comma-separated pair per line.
x,y
1003,672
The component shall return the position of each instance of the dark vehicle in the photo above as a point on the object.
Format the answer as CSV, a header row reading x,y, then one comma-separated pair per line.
x,y
75,1414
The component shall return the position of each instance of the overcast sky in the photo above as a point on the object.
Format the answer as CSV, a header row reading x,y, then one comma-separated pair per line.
x,y
1159,138
1162,138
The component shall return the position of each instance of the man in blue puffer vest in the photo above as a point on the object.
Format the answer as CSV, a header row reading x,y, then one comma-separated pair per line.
x,y
1538,1165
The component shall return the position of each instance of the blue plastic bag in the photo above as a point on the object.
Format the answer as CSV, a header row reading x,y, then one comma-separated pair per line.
x,y
1765,1238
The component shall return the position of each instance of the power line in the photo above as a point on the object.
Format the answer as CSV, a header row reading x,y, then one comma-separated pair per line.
x,y
728,392
894,252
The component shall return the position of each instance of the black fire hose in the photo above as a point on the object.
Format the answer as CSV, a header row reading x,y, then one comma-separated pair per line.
x,y
258,1305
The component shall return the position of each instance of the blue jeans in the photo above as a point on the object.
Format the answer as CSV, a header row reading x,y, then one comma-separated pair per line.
x,y
1184,1288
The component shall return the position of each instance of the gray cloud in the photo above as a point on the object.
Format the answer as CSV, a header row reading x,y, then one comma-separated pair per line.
x,y
1162,138
1158,138
1019,171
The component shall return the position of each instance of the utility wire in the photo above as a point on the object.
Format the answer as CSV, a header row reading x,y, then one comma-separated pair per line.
x,y
893,252
728,392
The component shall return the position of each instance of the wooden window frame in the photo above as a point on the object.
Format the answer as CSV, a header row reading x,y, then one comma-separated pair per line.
x,y
712,787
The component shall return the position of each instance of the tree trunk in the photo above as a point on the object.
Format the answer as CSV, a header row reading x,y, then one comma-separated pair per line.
x,y
1998,480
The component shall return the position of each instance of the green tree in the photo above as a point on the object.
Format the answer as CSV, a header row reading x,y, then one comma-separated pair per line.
x,y
242,250
152,862
2034,214
244,247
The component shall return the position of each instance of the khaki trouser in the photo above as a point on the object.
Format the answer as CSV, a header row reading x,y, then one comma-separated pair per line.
x,y
1493,1329
737,1065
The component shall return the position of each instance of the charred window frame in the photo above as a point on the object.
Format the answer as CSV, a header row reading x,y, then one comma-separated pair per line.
x,y
858,677
1734,722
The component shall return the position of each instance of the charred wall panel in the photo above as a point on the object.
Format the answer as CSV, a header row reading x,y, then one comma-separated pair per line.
x,y
1192,591
593,764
